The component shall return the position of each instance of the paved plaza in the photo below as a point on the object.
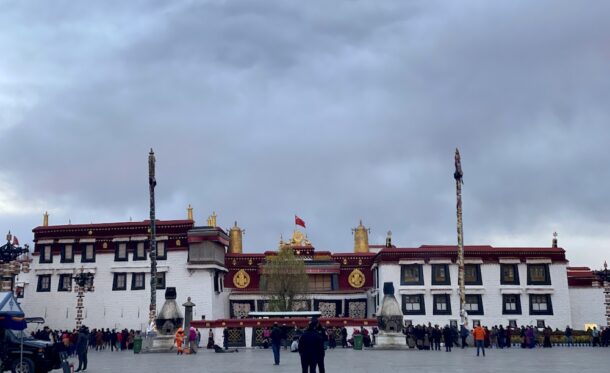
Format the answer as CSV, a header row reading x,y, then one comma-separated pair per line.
x,y
558,359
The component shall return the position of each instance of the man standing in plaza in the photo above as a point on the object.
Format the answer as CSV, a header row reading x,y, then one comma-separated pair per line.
x,y
568,334
276,342
311,347
81,348
479,338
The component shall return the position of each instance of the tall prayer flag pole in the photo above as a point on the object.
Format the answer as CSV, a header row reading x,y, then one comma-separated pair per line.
x,y
153,242
460,233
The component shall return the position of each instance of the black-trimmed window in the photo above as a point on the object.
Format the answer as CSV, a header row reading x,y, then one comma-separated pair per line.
x,y
538,274
472,274
218,285
161,250
411,274
160,280
139,251
474,304
442,304
67,253
44,283
65,282
120,252
87,251
119,282
511,304
540,304
138,281
413,304
509,274
440,274
46,254
19,292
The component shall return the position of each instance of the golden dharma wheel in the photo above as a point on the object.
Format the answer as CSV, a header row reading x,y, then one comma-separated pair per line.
x,y
356,279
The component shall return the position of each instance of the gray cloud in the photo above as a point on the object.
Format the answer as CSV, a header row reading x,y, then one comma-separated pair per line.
x,y
335,111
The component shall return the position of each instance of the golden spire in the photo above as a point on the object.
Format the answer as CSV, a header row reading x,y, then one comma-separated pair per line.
x,y
361,239
189,212
45,219
212,220
235,240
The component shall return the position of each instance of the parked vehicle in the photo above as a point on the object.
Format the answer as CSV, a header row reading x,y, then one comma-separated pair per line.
x,y
20,352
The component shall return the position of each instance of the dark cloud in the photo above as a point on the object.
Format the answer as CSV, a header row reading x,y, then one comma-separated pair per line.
x,y
336,111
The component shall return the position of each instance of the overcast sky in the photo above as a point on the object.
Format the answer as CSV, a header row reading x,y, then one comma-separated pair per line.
x,y
333,110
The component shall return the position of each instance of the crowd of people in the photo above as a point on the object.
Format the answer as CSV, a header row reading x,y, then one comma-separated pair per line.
x,y
312,342
97,339
428,337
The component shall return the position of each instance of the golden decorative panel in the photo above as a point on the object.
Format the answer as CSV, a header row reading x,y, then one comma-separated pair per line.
x,y
241,279
356,279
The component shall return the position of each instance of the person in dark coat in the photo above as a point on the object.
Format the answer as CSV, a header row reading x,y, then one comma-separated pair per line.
x,y
448,337
225,338
276,342
311,347
81,348
343,337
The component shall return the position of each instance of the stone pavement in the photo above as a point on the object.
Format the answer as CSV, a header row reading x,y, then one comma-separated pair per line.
x,y
556,360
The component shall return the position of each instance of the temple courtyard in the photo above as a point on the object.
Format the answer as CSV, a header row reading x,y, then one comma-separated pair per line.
x,y
558,359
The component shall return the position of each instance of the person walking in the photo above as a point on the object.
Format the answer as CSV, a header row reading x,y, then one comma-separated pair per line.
x,y
311,346
479,338
81,348
192,340
276,343
594,337
464,333
210,345
179,338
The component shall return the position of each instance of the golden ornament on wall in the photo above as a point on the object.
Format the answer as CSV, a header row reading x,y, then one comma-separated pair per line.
x,y
178,243
105,245
249,261
344,261
241,279
356,279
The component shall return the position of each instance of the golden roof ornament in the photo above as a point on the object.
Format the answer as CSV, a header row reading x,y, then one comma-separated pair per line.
x,y
212,220
189,212
235,239
297,237
361,239
45,219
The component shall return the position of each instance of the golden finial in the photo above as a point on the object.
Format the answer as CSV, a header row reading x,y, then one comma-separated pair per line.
x,y
212,220
45,219
189,214
361,239
235,239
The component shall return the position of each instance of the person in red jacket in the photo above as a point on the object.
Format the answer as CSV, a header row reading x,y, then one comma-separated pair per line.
x,y
479,338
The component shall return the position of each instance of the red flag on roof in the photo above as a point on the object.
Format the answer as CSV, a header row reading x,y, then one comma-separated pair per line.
x,y
299,221
15,241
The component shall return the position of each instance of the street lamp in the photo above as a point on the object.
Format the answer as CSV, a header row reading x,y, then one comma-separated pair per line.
x,y
84,283
11,266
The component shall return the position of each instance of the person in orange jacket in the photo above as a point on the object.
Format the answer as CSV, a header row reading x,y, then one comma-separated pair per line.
x,y
479,338
179,338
